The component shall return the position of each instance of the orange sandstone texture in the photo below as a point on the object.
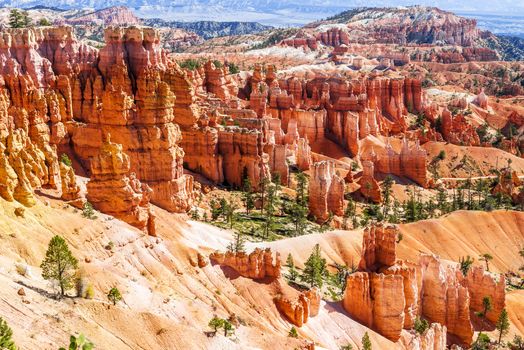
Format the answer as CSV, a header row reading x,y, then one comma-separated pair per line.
x,y
113,190
430,289
299,310
258,264
483,284
326,191
63,92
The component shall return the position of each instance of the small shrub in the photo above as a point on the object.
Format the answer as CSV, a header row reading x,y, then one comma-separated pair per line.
x,y
88,211
6,343
233,68
79,343
366,342
293,332
421,325
44,22
114,295
65,159
90,292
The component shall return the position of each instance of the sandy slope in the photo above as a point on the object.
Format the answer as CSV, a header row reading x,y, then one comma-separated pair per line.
x,y
480,160
499,233
168,302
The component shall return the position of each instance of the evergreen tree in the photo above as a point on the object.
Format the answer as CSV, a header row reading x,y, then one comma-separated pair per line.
x,y
59,264
465,264
302,186
349,213
502,324
6,343
88,211
247,195
114,295
517,343
263,186
297,213
413,208
486,257
216,323
387,184
228,328
486,305
442,200
481,343
44,22
19,19
366,343
289,261
79,343
293,332
346,347
293,273
341,277
229,212
420,325
481,191
272,203
314,269
238,244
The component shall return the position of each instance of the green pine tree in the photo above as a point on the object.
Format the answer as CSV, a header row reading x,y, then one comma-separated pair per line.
x,y
6,343
293,273
465,264
271,206
502,324
59,264
486,305
79,343
114,295
314,268
486,257
366,343
387,185
238,244
216,323
248,196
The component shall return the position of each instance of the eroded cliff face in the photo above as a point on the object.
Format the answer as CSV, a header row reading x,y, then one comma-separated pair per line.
x,y
299,310
326,191
258,264
114,190
57,92
388,295
483,284
374,298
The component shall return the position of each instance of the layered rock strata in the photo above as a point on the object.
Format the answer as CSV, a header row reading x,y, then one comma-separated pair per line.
x,y
258,264
429,289
114,190
326,191
299,310
65,93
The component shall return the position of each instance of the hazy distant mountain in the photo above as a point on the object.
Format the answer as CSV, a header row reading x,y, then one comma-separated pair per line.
x,y
272,12
210,29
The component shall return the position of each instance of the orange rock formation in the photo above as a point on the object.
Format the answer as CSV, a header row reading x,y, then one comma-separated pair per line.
x,y
256,265
298,311
113,190
326,191
387,295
